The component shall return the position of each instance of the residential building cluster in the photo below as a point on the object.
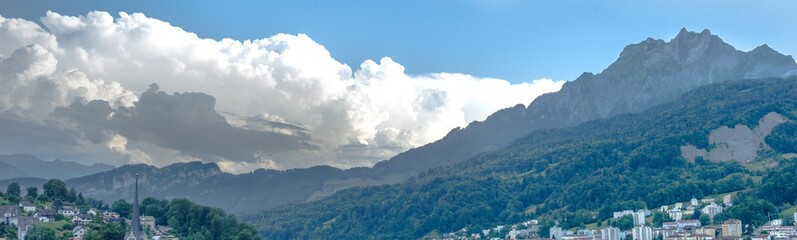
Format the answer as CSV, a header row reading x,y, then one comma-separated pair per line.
x,y
682,227
25,215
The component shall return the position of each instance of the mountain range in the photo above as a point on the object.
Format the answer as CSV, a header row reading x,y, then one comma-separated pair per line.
x,y
579,175
27,166
644,75
206,183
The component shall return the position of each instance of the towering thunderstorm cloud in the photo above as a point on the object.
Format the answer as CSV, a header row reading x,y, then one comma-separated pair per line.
x,y
81,88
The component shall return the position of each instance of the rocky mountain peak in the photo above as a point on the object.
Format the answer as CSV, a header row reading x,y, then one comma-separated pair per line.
x,y
686,48
192,169
688,36
767,54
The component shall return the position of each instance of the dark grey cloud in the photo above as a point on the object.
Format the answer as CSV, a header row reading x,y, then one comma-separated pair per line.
x,y
185,122
16,133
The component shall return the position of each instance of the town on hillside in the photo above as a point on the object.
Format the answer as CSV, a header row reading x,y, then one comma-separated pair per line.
x,y
694,220
67,214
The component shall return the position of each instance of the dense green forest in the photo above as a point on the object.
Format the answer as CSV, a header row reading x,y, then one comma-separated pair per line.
x,y
193,221
574,175
187,220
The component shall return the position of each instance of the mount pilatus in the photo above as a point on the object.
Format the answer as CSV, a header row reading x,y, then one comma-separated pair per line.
x,y
645,74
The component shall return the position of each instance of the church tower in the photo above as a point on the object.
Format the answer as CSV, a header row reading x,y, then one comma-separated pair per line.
x,y
135,229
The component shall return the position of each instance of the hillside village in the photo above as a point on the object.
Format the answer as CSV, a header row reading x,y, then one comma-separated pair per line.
x,y
68,215
694,220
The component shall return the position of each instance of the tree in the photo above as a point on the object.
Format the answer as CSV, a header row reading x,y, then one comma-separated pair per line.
x,y
659,218
752,210
43,198
57,204
107,231
113,231
55,189
197,236
720,218
40,233
174,223
704,220
13,190
67,227
624,223
8,232
33,192
71,196
92,235
122,207
81,201
245,234
98,218
696,214
787,221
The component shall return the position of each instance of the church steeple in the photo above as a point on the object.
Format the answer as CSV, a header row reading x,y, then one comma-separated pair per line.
x,y
135,229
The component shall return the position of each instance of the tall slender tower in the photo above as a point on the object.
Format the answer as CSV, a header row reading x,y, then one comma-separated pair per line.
x,y
135,229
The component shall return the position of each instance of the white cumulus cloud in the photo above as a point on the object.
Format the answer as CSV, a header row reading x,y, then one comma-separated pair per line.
x,y
286,84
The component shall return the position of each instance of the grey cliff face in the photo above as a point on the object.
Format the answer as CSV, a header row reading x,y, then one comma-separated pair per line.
x,y
653,72
644,75
206,184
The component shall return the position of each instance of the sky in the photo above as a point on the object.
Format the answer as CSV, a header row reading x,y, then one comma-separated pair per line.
x,y
294,84
508,39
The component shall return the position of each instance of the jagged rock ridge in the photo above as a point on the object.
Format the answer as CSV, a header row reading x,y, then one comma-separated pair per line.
x,y
644,75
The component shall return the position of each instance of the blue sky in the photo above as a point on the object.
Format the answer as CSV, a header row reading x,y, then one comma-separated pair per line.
x,y
513,40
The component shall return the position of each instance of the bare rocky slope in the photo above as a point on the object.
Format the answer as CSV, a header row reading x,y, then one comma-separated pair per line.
x,y
739,143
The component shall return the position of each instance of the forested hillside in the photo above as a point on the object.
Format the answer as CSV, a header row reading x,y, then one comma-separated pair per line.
x,y
574,175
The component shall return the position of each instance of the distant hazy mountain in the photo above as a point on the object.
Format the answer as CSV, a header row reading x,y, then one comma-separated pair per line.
x,y
30,166
644,75
9,171
24,182
205,183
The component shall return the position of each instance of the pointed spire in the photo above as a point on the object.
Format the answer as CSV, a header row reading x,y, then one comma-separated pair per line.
x,y
135,229
136,219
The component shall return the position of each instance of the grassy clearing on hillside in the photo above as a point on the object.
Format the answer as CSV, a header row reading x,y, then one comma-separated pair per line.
x,y
762,165
58,227
789,212
789,155
55,225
